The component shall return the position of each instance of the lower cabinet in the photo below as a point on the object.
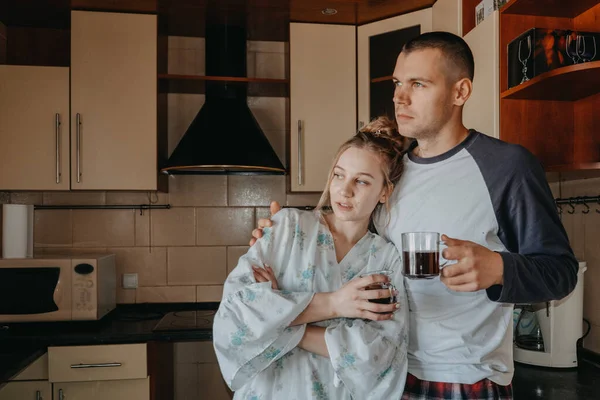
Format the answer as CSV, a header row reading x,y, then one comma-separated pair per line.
x,y
197,373
127,389
26,390
99,372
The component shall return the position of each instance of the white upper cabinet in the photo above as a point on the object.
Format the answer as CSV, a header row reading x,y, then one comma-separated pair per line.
x,y
322,99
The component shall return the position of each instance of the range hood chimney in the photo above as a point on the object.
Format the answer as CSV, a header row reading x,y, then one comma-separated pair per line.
x,y
224,137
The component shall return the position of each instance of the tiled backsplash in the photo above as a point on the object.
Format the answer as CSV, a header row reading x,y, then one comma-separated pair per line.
x,y
180,255
584,235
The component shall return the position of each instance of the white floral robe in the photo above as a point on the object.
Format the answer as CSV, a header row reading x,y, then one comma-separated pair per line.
x,y
255,345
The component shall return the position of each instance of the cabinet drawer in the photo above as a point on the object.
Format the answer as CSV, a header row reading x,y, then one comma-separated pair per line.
x,y
97,363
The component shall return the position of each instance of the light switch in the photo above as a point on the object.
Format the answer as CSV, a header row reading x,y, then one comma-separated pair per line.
x,y
130,281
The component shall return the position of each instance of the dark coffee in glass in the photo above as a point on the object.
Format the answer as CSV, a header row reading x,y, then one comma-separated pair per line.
x,y
380,285
421,255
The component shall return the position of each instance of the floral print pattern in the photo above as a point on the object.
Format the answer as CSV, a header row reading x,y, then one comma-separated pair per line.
x,y
257,348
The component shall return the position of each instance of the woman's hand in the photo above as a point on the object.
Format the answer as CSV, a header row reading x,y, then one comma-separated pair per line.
x,y
265,274
352,299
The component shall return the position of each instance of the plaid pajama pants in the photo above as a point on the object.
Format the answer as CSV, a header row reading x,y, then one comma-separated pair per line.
x,y
417,389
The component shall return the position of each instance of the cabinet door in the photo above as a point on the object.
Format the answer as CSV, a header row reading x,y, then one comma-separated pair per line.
x,y
197,373
113,97
482,110
447,16
127,389
34,128
322,99
30,390
379,44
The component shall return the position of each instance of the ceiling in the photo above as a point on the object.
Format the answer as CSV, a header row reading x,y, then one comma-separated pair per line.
x,y
266,19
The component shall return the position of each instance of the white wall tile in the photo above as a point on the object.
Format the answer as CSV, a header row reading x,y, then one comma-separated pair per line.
x,y
186,55
182,109
270,112
266,46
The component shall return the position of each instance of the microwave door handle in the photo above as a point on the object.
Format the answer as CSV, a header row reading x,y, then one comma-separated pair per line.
x,y
100,365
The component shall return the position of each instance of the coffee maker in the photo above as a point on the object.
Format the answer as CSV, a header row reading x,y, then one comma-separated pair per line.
x,y
546,334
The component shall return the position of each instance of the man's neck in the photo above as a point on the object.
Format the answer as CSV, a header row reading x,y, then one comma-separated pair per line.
x,y
441,143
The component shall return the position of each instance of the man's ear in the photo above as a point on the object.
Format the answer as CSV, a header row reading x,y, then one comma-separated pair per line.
x,y
463,90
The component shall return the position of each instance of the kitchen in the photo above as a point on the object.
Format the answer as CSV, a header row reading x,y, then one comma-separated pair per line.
x,y
175,237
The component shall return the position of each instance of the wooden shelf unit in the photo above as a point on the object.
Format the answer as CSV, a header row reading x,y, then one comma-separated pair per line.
x,y
570,83
468,15
554,115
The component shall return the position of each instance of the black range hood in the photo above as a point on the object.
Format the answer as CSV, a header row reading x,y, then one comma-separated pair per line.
x,y
224,137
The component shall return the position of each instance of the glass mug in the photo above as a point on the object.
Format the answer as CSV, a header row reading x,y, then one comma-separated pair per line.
x,y
421,255
381,285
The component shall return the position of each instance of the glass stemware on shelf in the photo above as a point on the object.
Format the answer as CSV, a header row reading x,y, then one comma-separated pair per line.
x,y
571,47
580,47
586,47
522,60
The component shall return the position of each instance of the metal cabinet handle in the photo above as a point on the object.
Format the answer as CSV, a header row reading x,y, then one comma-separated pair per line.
x,y
78,123
38,395
300,153
61,395
101,365
57,133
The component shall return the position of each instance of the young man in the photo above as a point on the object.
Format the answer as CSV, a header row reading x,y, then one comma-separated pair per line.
x,y
502,231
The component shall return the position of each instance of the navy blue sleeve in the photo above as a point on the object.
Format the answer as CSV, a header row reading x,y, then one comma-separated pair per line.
x,y
539,264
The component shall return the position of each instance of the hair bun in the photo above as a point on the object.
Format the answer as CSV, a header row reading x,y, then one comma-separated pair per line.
x,y
386,128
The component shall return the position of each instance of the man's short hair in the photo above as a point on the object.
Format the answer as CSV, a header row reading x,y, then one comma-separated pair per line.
x,y
455,50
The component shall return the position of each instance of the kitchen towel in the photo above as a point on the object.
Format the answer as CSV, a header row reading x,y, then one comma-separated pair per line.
x,y
17,231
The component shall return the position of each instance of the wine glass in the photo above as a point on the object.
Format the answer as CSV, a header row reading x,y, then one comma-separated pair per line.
x,y
524,61
571,47
586,48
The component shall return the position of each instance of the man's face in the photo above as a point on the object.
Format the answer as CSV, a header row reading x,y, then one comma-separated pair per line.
x,y
423,94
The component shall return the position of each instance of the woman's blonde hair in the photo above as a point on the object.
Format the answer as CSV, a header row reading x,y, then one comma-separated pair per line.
x,y
382,138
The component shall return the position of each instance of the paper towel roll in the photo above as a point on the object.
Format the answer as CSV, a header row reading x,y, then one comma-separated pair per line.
x,y
17,231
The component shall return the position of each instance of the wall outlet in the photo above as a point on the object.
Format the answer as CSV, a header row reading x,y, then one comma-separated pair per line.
x,y
130,281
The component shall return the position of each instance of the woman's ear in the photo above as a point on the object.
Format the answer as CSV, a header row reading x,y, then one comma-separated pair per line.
x,y
385,194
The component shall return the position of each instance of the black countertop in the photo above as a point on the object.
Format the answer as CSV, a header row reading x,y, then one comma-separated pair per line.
x,y
581,383
23,343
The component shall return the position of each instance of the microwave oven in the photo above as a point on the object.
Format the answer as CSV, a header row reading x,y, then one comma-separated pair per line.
x,y
57,288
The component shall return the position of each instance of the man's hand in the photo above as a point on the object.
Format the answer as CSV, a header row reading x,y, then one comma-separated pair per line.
x,y
264,222
477,267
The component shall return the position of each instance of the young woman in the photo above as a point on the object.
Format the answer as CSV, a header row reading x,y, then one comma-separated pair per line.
x,y
304,314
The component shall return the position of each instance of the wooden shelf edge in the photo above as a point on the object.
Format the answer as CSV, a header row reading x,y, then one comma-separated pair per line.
x,y
220,78
516,7
516,92
574,167
510,7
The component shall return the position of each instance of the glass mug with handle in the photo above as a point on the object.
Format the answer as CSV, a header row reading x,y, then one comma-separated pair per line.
x,y
421,255
382,285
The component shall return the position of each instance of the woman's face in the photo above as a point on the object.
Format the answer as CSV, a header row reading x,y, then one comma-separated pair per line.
x,y
357,185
